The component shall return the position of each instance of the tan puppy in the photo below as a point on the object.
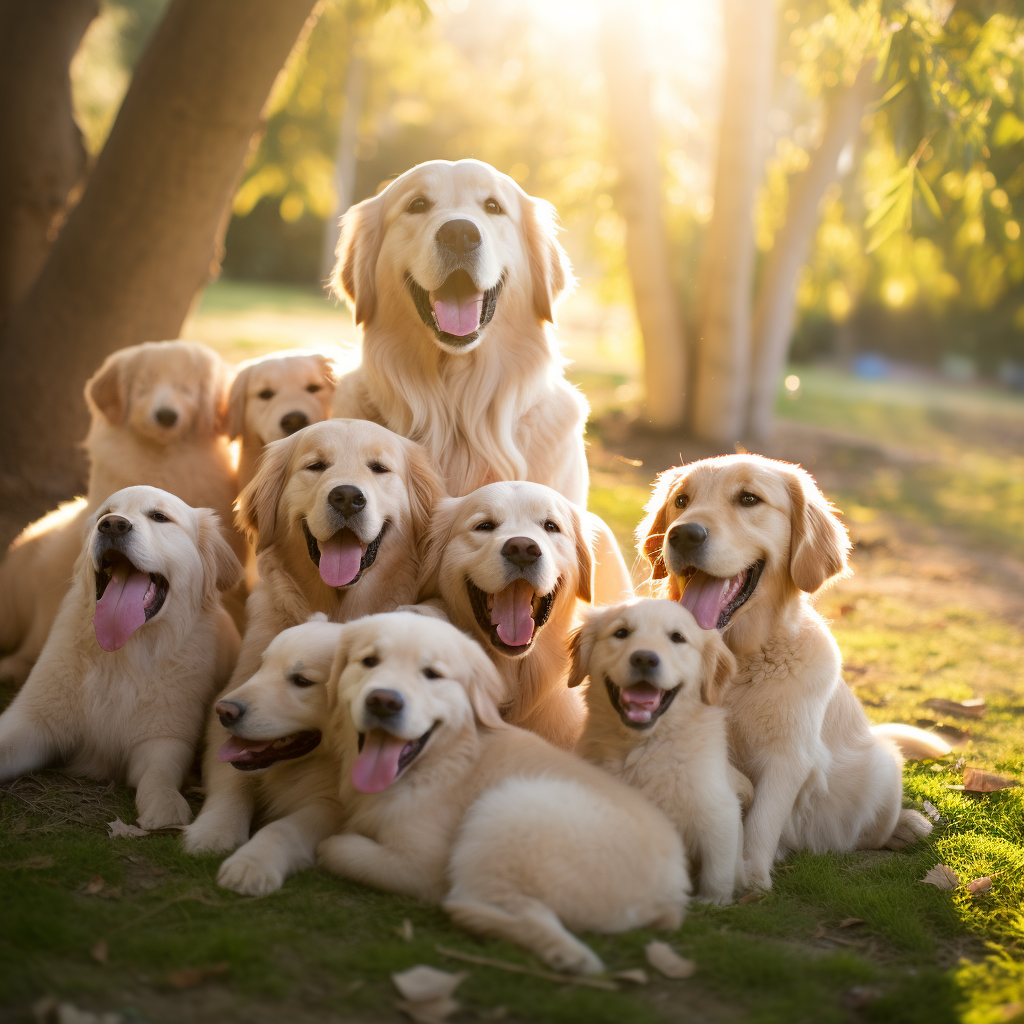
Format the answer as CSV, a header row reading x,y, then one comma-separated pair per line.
x,y
448,803
272,397
336,512
653,721
158,419
275,721
509,562
140,646
454,274
742,540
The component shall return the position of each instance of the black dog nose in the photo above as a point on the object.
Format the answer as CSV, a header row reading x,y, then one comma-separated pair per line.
x,y
384,703
687,537
521,551
229,711
166,417
116,525
644,659
458,236
347,500
292,421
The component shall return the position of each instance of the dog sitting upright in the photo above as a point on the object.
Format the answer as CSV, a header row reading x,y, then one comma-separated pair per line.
x,y
140,646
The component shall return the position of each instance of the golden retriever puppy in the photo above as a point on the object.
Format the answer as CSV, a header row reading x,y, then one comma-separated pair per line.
x,y
158,419
653,721
140,646
274,723
446,802
336,512
272,397
454,274
742,541
508,562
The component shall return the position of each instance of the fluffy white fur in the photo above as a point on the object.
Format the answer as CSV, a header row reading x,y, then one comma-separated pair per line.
x,y
134,714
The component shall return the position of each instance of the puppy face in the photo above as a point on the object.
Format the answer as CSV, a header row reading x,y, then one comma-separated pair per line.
x,y
643,656
409,683
451,247
274,396
341,485
735,532
505,558
279,713
162,391
153,559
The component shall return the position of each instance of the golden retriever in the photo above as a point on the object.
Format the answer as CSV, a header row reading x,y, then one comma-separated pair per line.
x,y
140,646
653,721
446,802
454,273
742,541
272,397
157,418
275,723
336,512
508,563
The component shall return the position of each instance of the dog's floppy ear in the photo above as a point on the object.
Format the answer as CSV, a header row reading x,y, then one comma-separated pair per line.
x,y
584,558
550,271
106,392
483,685
581,646
221,568
718,666
818,541
432,544
256,507
424,486
650,534
355,273
338,665
235,420
215,376
329,369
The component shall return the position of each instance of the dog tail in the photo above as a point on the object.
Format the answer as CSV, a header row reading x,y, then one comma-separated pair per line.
x,y
913,743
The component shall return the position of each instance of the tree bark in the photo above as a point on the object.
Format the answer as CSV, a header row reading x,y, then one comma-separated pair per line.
x,y
727,264
42,157
638,196
775,306
140,243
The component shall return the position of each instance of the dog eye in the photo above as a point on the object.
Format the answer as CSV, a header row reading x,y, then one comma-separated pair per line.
x,y
621,633
493,206
748,499
431,673
419,205
297,680
677,638
317,467
371,661
485,527
158,517
551,526
266,394
314,388
378,467
682,500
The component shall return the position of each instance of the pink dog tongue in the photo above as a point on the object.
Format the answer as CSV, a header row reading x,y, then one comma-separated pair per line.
x,y
121,609
236,749
339,558
707,596
460,314
641,701
377,764
513,613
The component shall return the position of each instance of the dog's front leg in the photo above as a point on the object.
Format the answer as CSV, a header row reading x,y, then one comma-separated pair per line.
x,y
223,822
26,743
157,768
413,871
774,796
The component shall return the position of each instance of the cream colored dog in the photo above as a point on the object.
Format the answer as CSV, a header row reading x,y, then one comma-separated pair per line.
x,y
447,803
508,563
157,418
741,541
653,721
275,721
454,274
140,646
272,397
336,511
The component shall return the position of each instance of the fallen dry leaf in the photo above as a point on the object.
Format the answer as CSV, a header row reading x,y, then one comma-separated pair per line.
x,y
637,975
189,977
932,811
664,958
974,708
117,828
95,885
980,885
942,877
819,932
405,930
430,1011
752,897
99,952
421,983
978,781
851,922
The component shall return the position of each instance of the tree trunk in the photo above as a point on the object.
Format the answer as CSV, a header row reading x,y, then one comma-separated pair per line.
x,y
141,242
345,153
41,153
634,142
727,264
775,307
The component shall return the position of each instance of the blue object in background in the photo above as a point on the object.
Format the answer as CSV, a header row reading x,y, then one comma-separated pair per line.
x,y
871,366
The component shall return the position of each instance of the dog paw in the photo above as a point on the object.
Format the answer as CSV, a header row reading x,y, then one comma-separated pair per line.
x,y
162,808
758,877
247,874
574,958
210,834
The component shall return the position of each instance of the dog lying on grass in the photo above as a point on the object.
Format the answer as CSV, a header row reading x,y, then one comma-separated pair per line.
x,y
140,646
446,802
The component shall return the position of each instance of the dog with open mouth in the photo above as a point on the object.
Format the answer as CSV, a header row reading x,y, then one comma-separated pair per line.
x,y
507,565
454,274
742,541
274,724
448,803
654,721
336,512
139,647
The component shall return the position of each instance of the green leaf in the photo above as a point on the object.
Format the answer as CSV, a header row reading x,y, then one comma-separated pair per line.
x,y
893,213
927,194
891,94
1009,129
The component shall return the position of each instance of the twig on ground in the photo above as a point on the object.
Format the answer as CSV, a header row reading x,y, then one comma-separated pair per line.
x,y
504,965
